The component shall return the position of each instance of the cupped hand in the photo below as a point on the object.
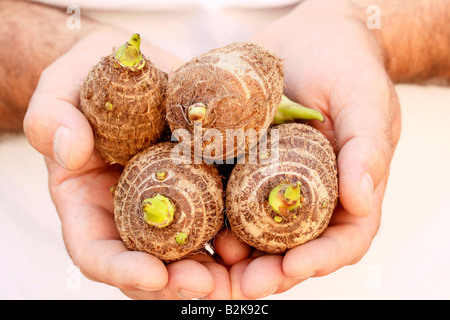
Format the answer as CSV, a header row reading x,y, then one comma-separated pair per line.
x,y
333,64
80,181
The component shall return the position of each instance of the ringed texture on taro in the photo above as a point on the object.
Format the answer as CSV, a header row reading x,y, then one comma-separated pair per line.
x,y
235,88
166,209
123,99
277,206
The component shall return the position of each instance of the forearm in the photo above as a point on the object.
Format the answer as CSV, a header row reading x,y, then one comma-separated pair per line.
x,y
413,34
32,37
410,37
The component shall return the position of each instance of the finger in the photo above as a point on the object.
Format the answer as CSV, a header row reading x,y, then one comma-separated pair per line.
x,y
90,233
327,253
230,249
59,131
53,124
262,277
188,279
222,284
142,276
363,122
236,273
343,243
109,262
94,245
92,241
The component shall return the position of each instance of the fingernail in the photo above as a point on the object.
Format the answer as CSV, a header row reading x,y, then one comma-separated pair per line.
x,y
138,287
366,186
61,145
270,291
305,276
188,295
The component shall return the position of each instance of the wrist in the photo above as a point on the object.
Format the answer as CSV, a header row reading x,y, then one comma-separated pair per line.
x,y
413,36
362,14
317,33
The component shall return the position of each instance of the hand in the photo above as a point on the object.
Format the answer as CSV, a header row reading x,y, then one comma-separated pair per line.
x,y
80,181
332,63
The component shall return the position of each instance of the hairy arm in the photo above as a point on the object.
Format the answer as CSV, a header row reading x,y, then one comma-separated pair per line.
x,y
414,36
32,37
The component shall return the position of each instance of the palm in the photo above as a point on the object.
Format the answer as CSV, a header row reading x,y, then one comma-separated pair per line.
x,y
84,202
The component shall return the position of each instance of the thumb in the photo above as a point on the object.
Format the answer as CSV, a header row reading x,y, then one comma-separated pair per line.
x,y
367,129
59,131
54,126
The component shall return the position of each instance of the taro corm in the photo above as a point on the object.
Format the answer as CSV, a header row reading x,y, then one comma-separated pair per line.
x,y
123,99
166,208
277,205
235,87
172,209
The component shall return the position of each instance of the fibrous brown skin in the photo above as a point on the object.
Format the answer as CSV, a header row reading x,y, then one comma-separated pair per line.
x,y
241,86
195,190
125,107
305,155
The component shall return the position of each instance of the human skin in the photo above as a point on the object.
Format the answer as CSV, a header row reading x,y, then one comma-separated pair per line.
x,y
23,61
336,65
79,181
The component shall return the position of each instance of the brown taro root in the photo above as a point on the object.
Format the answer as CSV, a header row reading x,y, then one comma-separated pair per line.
x,y
279,205
165,208
232,88
123,99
